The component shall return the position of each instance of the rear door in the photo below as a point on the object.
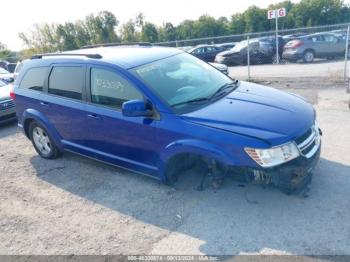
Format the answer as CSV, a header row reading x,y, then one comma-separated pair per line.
x,y
335,46
62,103
319,45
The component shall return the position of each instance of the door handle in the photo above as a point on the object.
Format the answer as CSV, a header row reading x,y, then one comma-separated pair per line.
x,y
94,116
44,103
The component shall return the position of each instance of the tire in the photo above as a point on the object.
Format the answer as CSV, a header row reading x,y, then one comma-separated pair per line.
x,y
294,185
309,56
42,142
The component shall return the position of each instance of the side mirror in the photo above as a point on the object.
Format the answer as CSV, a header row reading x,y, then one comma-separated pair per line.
x,y
134,108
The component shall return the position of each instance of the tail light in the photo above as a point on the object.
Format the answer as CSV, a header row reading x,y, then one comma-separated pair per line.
x,y
294,44
12,94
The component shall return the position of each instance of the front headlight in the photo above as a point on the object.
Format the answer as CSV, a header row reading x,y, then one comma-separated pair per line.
x,y
274,156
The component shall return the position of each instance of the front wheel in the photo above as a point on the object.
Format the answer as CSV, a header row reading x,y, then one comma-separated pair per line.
x,y
42,142
309,56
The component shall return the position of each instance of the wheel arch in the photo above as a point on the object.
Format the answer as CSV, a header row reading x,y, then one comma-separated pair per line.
x,y
193,147
31,115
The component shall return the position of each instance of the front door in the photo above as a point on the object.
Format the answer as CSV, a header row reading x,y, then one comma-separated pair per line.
x,y
125,141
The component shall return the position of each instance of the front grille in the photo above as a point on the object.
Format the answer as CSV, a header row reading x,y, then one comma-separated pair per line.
x,y
7,104
303,137
309,142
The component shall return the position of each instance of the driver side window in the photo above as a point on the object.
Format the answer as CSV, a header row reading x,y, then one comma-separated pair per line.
x,y
110,89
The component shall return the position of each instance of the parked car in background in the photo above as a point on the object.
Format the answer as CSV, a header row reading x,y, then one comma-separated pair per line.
x,y
11,67
7,106
261,50
340,33
185,48
159,111
291,37
221,67
309,47
226,46
7,66
6,76
205,52
3,64
17,69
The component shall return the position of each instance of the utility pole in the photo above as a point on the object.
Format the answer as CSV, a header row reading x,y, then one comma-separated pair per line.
x,y
277,53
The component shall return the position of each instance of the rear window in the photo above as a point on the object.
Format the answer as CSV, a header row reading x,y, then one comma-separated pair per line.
x,y
34,79
67,81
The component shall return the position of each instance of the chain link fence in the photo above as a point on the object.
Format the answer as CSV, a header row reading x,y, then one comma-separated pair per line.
x,y
311,52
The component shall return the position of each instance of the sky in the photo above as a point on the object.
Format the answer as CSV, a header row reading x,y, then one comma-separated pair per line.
x,y
30,12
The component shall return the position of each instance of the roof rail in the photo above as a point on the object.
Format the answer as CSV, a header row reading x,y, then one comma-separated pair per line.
x,y
117,44
40,56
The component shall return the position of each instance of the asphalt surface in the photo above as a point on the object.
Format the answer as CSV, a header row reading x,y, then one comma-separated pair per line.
x,y
74,205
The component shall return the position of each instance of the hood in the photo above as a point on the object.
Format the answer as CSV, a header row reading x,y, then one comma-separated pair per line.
x,y
258,111
5,92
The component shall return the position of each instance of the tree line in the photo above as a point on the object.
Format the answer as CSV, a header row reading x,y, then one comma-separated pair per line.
x,y
104,27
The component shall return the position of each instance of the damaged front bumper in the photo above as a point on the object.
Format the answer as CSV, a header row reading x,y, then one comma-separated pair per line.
x,y
294,176
291,177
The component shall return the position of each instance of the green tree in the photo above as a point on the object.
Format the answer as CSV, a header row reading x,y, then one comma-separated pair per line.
x,y
207,26
237,24
42,38
67,36
101,28
256,20
318,12
185,29
128,32
169,32
149,33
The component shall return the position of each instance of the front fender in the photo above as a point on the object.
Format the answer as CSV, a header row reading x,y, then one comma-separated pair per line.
x,y
194,146
32,114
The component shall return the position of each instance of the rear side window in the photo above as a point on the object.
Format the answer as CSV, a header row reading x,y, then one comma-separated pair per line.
x,y
67,81
34,79
110,89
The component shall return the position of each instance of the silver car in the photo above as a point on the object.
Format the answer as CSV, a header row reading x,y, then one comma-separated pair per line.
x,y
7,106
309,47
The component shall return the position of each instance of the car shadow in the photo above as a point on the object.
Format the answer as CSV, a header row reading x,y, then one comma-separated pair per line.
x,y
8,129
236,219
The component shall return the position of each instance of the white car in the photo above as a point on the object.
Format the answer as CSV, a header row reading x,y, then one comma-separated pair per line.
x,y
6,76
7,106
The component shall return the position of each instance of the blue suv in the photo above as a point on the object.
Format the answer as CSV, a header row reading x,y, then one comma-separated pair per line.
x,y
158,111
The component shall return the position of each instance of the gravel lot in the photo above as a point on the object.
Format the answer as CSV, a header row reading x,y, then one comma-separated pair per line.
x,y
74,205
333,70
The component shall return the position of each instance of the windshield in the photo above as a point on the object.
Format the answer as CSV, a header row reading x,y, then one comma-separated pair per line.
x,y
2,83
3,71
183,78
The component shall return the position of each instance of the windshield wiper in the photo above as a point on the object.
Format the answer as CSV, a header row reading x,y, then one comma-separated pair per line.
x,y
200,99
220,91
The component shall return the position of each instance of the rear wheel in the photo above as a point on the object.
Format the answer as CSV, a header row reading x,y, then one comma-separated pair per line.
x,y
309,56
42,142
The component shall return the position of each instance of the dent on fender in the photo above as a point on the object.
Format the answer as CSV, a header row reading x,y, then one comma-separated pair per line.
x,y
196,147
